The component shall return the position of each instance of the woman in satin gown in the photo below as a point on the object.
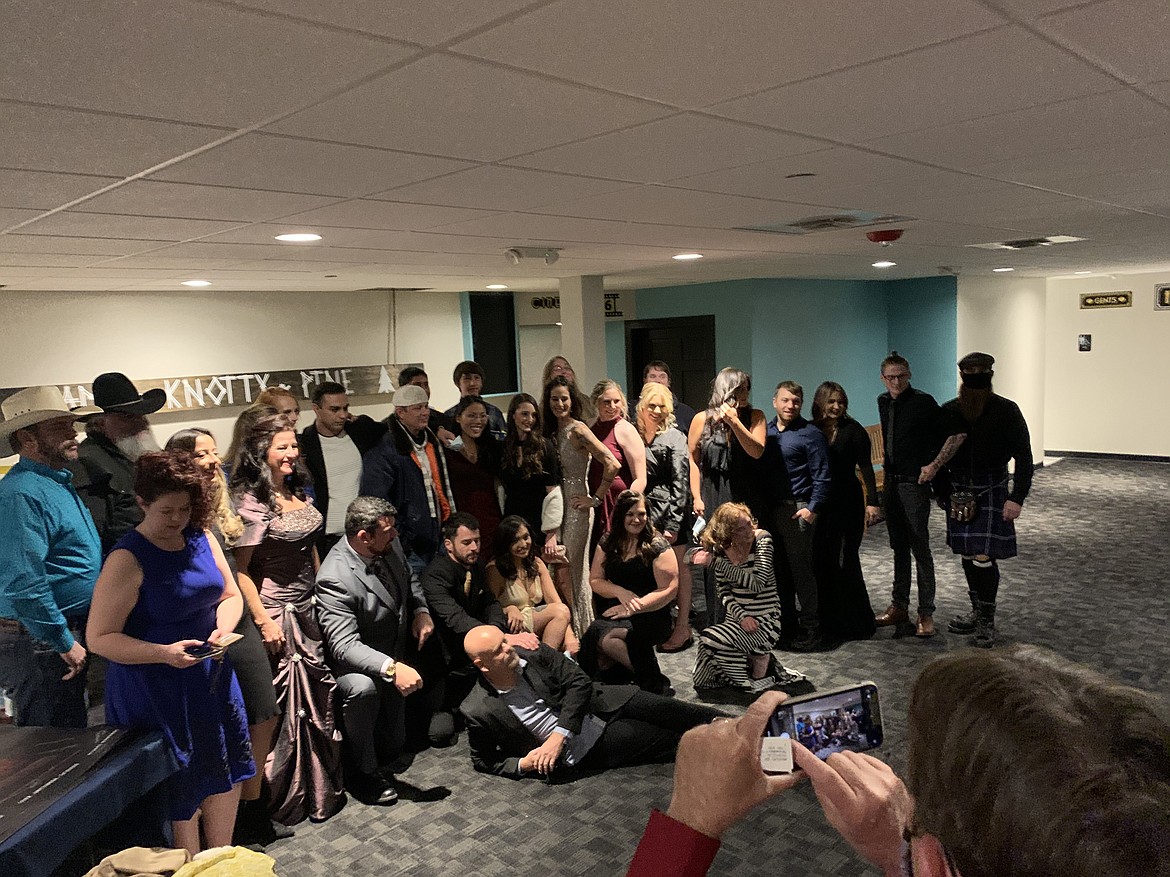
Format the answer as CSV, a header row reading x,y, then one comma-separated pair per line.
x,y
576,446
277,554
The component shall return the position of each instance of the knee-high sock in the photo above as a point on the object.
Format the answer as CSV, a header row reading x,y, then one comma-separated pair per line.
x,y
982,578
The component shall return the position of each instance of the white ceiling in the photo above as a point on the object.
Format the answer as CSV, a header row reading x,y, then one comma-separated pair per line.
x,y
143,143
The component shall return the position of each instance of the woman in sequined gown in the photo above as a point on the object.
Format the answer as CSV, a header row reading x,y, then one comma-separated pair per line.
x,y
276,553
576,446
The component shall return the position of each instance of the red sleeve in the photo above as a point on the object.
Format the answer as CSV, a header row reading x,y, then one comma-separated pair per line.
x,y
670,848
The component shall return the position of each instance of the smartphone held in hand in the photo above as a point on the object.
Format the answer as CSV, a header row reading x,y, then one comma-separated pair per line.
x,y
844,719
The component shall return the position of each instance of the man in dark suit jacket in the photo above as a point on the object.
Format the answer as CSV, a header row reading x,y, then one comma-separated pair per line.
x,y
370,609
537,713
460,600
336,441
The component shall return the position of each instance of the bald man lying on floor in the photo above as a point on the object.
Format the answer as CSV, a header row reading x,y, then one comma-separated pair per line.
x,y
537,714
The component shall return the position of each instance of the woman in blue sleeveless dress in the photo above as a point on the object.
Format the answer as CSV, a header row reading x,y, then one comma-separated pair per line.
x,y
164,589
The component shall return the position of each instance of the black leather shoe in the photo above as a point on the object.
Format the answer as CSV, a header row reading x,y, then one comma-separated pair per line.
x,y
809,641
373,788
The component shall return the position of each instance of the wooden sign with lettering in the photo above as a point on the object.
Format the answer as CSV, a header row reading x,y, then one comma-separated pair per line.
x,y
197,392
1092,300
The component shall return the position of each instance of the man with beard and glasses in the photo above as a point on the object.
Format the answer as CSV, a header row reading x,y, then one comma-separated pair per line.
x,y
993,432
50,558
114,440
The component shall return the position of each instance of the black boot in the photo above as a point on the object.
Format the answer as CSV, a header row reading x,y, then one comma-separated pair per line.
x,y
253,825
984,625
965,624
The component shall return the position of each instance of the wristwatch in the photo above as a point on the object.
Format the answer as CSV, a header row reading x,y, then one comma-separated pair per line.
x,y
389,670
596,501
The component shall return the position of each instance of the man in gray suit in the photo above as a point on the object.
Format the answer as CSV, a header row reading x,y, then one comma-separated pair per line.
x,y
370,606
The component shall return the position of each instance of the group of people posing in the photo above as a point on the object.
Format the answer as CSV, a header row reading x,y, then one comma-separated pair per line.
x,y
387,582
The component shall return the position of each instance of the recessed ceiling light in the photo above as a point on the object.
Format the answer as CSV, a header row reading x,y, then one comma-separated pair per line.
x,y
559,322
1082,272
298,237
496,286
687,257
197,283
884,263
1002,270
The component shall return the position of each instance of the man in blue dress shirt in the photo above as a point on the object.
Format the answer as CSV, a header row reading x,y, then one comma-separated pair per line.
x,y
50,557
796,467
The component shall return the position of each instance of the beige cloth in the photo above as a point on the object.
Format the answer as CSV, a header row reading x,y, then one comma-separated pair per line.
x,y
525,594
140,862
158,862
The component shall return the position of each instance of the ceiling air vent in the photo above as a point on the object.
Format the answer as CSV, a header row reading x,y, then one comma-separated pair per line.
x,y
1028,243
844,219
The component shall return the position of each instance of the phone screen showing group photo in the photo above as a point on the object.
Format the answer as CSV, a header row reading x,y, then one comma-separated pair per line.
x,y
849,720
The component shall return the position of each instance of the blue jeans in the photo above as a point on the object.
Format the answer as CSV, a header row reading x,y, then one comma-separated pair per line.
x,y
31,671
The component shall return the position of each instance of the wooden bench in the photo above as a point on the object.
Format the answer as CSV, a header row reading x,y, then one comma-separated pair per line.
x,y
877,456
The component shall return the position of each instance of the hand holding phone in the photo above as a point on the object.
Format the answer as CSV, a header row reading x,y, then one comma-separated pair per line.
x,y
209,649
846,719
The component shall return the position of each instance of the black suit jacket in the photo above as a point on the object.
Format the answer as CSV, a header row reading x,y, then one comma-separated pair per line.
x,y
365,432
498,739
365,617
455,614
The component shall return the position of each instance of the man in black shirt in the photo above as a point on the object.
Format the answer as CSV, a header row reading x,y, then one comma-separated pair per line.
x,y
913,433
981,510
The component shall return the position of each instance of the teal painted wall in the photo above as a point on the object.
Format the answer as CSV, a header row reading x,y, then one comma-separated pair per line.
x,y
815,330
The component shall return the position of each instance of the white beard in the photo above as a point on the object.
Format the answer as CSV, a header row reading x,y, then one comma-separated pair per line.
x,y
134,446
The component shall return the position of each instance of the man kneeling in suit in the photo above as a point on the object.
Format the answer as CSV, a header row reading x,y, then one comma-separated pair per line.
x,y
369,607
536,713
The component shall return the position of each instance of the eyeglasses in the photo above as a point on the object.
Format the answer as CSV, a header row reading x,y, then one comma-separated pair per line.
x,y
902,376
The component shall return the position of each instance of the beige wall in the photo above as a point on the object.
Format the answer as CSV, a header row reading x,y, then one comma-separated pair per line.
x,y
1115,398
1006,318
74,336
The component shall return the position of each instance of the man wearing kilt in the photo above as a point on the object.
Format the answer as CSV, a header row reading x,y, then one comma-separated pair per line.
x,y
981,510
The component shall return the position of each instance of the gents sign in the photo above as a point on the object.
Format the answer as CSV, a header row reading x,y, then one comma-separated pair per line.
x,y
196,392
1093,300
1162,297
544,309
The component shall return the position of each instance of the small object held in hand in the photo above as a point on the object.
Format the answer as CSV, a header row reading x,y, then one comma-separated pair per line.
x,y
776,754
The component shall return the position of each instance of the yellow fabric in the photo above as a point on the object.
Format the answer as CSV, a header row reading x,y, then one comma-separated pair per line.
x,y
229,862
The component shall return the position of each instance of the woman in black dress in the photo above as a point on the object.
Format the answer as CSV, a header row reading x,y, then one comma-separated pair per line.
x,y
635,578
529,472
844,602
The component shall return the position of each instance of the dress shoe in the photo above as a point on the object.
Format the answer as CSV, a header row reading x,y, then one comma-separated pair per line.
x,y
925,627
893,615
962,624
373,788
669,648
809,641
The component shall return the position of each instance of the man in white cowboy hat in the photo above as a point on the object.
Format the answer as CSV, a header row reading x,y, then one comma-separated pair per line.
x,y
50,557
115,438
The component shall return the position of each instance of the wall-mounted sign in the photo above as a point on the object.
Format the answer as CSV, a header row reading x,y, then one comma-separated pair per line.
x,y
196,392
1162,297
536,309
1093,300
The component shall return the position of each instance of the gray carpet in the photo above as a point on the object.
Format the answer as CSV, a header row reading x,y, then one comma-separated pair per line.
x,y
1088,583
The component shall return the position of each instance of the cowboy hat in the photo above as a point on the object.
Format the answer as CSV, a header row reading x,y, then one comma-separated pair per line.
x,y
31,406
114,393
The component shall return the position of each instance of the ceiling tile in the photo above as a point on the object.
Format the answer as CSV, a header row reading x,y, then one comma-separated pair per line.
x,y
42,260
51,139
384,214
1036,8
465,109
188,61
679,146
196,268
1117,116
105,225
692,53
435,21
981,75
1063,170
28,243
43,191
683,207
360,238
287,164
1130,35
10,216
501,188
186,201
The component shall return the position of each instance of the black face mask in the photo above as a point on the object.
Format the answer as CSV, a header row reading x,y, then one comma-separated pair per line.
x,y
976,381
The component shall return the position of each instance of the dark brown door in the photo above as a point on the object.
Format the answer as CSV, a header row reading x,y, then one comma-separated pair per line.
x,y
687,344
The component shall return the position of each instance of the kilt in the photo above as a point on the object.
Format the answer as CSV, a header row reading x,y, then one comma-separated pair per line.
x,y
987,533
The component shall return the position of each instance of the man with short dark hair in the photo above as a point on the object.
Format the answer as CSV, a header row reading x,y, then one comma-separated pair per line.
x,y
50,557
439,423
374,619
408,468
993,432
535,713
103,472
469,377
658,372
459,599
912,429
796,466
332,448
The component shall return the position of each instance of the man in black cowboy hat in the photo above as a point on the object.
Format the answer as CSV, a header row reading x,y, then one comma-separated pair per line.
x,y
115,439
982,510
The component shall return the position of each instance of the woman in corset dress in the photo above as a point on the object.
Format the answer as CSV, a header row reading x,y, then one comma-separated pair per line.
x,y
576,446
617,433
276,554
724,443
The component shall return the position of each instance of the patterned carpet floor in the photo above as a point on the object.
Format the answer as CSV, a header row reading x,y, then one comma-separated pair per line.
x,y
1089,584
